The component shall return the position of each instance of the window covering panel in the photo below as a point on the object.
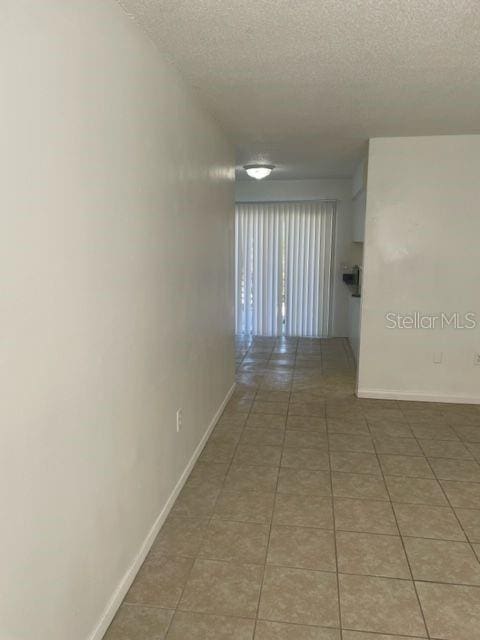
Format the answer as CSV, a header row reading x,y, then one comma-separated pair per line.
x,y
283,268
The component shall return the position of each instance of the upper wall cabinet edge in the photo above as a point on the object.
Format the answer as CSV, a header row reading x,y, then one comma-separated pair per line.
x,y
359,181
359,196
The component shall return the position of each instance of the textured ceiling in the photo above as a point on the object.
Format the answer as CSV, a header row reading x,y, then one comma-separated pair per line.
x,y
304,83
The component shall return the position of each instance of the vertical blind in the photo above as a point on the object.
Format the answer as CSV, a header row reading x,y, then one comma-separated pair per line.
x,y
259,241
283,268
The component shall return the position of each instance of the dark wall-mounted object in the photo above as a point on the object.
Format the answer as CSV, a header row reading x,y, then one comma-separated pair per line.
x,y
351,278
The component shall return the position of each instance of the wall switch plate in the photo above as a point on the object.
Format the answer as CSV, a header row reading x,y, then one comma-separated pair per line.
x,y
476,359
179,419
438,357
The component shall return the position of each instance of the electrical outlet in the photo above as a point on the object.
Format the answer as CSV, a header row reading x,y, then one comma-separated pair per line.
x,y
476,359
179,419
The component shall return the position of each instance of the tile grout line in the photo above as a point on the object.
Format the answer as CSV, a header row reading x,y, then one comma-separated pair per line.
x,y
401,538
467,538
258,387
335,539
270,529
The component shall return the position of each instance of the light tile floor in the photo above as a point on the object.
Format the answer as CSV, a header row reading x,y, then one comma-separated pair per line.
x,y
314,515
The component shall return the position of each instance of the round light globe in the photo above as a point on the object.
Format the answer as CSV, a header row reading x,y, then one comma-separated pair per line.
x,y
259,171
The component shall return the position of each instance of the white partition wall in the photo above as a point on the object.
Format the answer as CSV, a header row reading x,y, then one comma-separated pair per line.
x,y
421,257
117,285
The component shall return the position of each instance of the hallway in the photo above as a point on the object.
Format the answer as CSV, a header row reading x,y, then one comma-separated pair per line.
x,y
179,173
257,547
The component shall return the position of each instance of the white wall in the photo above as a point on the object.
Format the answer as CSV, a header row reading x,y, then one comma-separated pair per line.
x,y
339,189
421,254
354,325
116,300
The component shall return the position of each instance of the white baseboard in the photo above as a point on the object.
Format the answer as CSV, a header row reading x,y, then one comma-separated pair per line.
x,y
125,583
383,394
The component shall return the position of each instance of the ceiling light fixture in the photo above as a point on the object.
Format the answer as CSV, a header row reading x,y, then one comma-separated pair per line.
x,y
259,171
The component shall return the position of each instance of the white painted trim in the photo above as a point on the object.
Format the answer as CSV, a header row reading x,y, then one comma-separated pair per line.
x,y
125,583
392,394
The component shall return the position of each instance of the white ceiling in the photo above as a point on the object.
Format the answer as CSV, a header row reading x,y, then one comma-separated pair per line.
x,y
304,83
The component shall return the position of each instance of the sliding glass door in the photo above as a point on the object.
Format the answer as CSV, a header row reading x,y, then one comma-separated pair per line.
x,y
283,268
